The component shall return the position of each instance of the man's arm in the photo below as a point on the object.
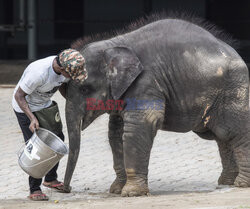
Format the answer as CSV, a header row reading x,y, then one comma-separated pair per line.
x,y
62,89
20,98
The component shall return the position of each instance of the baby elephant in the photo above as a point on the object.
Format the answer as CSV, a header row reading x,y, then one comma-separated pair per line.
x,y
172,75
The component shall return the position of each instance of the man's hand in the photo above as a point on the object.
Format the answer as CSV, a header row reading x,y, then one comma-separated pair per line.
x,y
34,124
20,98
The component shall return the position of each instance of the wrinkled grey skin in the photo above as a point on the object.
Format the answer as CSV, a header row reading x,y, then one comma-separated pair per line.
x,y
201,80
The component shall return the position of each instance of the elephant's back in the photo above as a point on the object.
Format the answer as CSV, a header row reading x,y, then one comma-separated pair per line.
x,y
174,39
168,32
178,45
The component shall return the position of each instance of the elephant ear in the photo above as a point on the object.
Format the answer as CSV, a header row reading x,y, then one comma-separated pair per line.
x,y
123,68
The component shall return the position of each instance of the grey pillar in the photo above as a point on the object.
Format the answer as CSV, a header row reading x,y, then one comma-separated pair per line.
x,y
32,30
22,21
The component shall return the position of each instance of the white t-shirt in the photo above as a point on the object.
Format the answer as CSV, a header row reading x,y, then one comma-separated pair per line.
x,y
40,82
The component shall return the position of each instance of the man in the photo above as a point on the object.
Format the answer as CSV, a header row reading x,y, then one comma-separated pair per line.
x,y
39,82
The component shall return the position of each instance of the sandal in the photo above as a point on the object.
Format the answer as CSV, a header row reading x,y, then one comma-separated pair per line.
x,y
57,185
38,196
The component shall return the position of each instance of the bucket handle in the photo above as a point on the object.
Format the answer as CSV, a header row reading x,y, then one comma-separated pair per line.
x,y
40,162
19,152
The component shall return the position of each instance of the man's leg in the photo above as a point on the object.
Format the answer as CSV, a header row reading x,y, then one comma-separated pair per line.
x,y
24,123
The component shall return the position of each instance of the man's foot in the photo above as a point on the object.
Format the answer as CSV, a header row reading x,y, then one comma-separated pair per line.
x,y
57,185
38,196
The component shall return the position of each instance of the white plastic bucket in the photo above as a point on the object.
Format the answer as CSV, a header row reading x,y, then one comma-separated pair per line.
x,y
41,153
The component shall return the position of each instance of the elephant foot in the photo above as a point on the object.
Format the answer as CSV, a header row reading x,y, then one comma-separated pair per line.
x,y
227,178
242,182
116,186
135,187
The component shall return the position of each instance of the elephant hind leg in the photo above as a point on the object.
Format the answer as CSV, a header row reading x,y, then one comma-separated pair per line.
x,y
242,155
236,149
229,166
237,131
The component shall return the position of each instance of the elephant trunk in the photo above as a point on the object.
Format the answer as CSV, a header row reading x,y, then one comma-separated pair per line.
x,y
73,119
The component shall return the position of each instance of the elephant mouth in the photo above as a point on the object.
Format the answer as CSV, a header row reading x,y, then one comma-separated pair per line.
x,y
82,124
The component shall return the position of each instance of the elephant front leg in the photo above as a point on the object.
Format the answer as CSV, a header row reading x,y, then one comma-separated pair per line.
x,y
139,131
115,140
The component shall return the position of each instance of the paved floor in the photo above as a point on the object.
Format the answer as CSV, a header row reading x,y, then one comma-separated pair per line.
x,y
179,162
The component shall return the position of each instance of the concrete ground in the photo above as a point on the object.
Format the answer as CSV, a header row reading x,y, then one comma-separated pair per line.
x,y
181,166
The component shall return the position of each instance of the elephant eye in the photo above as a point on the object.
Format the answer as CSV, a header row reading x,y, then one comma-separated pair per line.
x,y
85,89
